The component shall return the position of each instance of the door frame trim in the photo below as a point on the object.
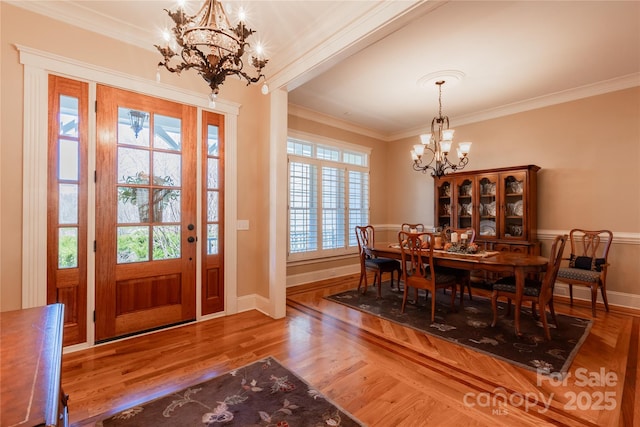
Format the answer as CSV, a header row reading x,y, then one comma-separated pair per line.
x,y
37,66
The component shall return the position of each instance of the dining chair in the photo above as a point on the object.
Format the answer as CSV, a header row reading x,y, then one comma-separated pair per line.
x,y
418,227
369,262
417,254
464,275
588,263
539,291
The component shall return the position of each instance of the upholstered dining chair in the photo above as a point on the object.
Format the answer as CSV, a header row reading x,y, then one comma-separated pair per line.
x,y
538,291
368,262
418,227
588,263
417,255
464,276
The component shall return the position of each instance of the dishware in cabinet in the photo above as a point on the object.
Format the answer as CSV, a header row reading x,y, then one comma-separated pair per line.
x,y
444,202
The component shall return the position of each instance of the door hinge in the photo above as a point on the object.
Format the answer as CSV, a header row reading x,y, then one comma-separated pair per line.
x,y
95,176
94,316
95,106
95,245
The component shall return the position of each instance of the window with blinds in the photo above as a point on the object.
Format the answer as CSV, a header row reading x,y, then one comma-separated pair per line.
x,y
328,197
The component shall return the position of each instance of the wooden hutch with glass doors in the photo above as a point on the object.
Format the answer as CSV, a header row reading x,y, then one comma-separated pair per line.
x,y
500,204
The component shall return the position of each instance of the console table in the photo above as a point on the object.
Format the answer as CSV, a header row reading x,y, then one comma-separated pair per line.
x,y
30,365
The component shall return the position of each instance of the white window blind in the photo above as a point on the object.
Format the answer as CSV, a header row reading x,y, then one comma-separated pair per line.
x,y
328,197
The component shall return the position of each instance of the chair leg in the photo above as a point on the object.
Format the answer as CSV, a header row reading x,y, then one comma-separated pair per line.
x,y
594,295
604,296
553,312
534,312
380,283
543,315
494,307
404,297
433,304
453,297
570,294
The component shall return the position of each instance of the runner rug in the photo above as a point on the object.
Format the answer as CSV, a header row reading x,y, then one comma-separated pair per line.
x,y
263,393
470,326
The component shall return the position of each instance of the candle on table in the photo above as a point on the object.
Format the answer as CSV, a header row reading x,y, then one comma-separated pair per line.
x,y
463,237
454,237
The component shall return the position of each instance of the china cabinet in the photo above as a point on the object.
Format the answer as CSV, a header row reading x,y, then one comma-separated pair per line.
x,y
500,204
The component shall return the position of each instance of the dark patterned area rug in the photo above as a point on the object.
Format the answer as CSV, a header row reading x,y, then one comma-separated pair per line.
x,y
471,327
263,393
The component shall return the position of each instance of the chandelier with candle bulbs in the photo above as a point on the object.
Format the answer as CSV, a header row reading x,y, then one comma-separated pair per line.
x,y
207,43
432,154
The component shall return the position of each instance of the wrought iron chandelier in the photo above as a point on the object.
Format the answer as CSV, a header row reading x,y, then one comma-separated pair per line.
x,y
438,143
207,43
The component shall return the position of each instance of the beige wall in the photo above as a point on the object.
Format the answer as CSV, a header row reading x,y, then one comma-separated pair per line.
x,y
589,151
18,26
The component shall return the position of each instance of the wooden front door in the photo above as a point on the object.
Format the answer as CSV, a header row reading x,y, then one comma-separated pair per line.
x,y
145,213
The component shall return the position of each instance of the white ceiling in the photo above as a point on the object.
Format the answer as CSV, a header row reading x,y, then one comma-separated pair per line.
x,y
512,55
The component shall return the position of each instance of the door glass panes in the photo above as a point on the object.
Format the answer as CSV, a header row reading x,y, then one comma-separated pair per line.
x,y
149,190
132,244
488,207
68,155
212,239
68,178
133,127
166,205
213,189
167,133
212,176
68,247
68,204
166,169
68,116
166,242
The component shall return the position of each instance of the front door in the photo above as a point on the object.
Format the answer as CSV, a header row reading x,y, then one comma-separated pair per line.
x,y
145,213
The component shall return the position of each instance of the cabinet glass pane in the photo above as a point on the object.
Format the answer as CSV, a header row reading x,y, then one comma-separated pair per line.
x,y
166,242
514,207
133,244
488,207
68,247
465,203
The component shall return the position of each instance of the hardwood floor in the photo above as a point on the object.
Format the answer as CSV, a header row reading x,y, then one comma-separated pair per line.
x,y
384,374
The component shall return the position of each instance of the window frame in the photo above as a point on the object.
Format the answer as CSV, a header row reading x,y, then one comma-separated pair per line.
x,y
316,141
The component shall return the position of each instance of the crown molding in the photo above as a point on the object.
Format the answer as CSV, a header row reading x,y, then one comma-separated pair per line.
x,y
600,88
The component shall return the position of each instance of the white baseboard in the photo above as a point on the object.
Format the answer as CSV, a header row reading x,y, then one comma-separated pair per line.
x,y
315,276
619,299
254,302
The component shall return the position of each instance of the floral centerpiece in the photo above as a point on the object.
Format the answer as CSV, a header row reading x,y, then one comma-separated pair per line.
x,y
459,248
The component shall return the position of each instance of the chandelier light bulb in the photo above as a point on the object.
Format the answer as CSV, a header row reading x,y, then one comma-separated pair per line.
x,y
212,100
425,138
265,89
447,134
242,15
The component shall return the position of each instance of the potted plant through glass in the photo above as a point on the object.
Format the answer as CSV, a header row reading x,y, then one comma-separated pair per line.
x,y
139,196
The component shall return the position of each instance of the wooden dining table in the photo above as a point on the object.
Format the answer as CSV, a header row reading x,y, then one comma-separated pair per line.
x,y
516,264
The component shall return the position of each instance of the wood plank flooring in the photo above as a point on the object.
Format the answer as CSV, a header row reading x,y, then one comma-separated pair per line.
x,y
384,374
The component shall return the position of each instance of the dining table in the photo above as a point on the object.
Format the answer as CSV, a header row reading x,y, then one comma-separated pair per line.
x,y
517,264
